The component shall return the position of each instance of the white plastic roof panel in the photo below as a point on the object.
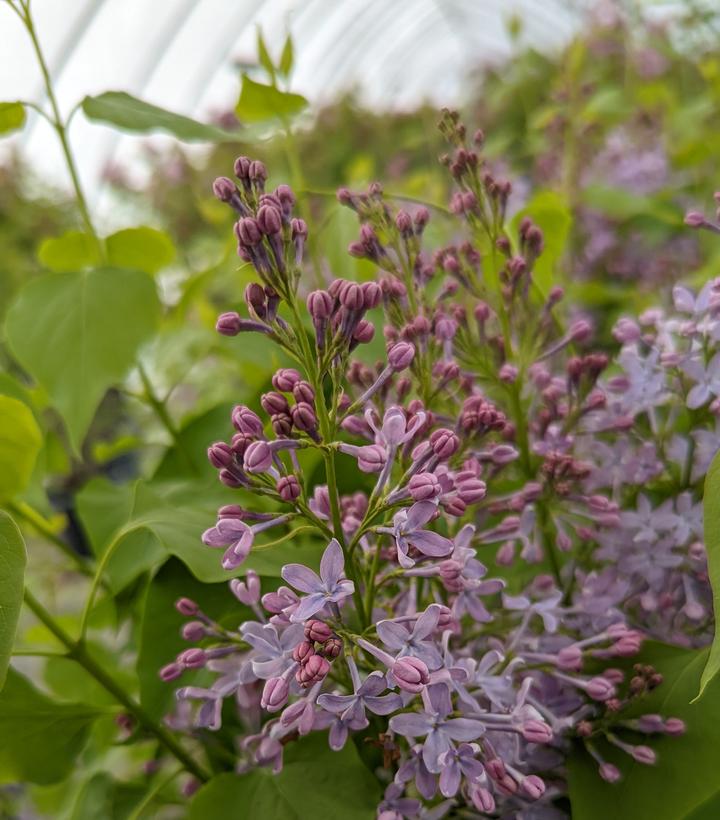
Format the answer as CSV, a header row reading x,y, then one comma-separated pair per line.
x,y
184,55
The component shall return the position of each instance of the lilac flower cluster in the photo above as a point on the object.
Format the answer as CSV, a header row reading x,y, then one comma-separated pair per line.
x,y
525,512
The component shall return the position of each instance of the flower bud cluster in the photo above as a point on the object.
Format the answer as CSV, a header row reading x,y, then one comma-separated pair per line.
x,y
518,509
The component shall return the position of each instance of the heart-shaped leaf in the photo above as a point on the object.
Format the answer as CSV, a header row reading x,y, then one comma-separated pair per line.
x,y
78,334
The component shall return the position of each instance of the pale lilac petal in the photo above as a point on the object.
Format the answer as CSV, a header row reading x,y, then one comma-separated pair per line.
x,y
698,396
430,543
472,769
683,299
232,558
335,703
301,577
420,513
332,564
450,778
374,684
338,735
427,623
411,724
392,634
463,729
384,704
342,590
232,528
435,746
425,781
308,606
212,538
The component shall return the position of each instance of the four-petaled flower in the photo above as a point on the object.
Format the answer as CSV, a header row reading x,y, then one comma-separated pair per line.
x,y
329,587
438,730
408,532
233,534
414,642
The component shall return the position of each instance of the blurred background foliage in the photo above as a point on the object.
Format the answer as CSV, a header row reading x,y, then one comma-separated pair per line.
x,y
607,143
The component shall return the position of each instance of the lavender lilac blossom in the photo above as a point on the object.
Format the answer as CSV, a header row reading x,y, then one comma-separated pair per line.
x,y
526,509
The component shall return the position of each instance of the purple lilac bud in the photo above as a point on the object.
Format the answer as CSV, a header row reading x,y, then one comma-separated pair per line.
x,y
285,379
269,220
245,421
609,773
424,486
171,672
193,631
320,304
194,658
303,652
694,219
400,356
248,232
303,392
275,694
258,457
536,731
332,647
372,295
187,607
600,688
316,630
372,458
229,324
444,443
411,674
303,417
274,402
288,488
472,490
533,786
312,671
224,189
220,455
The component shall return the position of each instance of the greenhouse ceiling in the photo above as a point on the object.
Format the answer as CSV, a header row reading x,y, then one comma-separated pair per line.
x,y
185,55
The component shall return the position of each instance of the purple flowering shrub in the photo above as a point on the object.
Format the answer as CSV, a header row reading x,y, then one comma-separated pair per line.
x,y
524,512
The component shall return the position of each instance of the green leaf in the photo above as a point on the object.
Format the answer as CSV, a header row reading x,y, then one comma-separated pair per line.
x,y
259,102
104,508
623,205
549,211
142,248
20,442
287,58
314,784
131,114
160,639
12,117
78,334
73,251
102,798
13,558
39,738
711,515
685,776
177,513
264,56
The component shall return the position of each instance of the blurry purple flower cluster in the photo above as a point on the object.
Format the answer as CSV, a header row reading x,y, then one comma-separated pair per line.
x,y
525,511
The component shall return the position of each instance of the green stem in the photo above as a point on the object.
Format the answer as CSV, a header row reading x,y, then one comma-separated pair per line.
x,y
158,405
33,517
152,794
76,651
60,129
